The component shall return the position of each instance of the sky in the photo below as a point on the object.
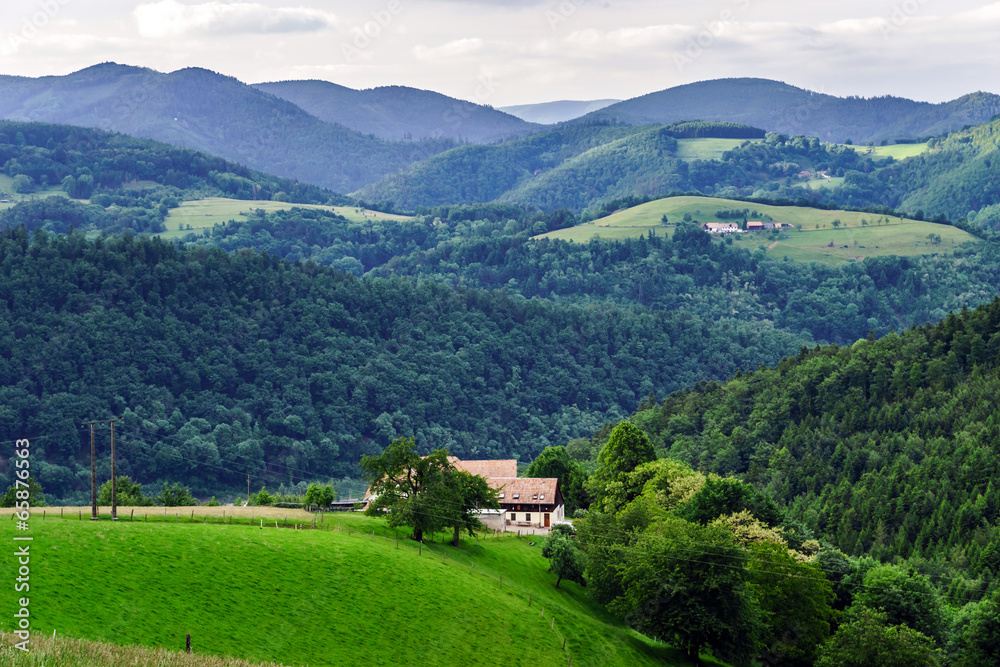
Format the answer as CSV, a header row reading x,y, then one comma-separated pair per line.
x,y
525,51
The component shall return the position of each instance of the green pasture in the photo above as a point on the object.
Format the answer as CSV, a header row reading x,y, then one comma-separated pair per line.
x,y
896,151
864,234
818,183
706,149
7,190
202,214
341,594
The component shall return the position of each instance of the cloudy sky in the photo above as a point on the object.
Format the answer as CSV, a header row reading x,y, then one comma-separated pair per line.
x,y
520,51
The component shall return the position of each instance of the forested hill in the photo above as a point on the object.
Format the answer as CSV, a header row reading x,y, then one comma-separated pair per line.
x,y
889,447
569,167
227,363
199,109
400,112
778,107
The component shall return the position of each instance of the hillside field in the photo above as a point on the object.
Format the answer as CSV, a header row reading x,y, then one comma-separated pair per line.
x,y
316,597
894,236
707,149
7,187
204,213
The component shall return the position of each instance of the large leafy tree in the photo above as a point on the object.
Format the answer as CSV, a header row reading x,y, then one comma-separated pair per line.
x,y
627,448
794,600
470,493
906,597
409,489
556,462
685,584
566,560
867,640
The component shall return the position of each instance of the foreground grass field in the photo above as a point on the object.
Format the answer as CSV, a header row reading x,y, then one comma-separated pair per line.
x,y
61,652
336,595
202,214
863,234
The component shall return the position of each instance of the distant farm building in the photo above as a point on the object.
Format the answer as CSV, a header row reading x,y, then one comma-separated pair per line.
x,y
721,227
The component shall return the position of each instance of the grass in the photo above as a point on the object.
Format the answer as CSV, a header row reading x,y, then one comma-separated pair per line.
x,y
707,149
203,214
895,236
316,597
61,652
7,187
896,151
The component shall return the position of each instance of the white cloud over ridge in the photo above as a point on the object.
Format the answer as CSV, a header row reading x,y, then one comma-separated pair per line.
x,y
170,18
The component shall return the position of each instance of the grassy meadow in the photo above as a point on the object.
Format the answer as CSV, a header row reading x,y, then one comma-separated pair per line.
x,y
7,187
342,592
203,214
61,652
707,149
863,234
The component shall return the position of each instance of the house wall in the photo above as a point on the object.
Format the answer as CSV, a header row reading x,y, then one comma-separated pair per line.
x,y
517,518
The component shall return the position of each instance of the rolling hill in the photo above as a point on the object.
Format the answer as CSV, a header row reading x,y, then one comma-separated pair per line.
x,y
857,235
572,166
550,113
779,107
317,597
199,109
400,112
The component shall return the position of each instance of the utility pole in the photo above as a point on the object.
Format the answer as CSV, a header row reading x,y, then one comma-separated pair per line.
x,y
248,488
114,481
93,476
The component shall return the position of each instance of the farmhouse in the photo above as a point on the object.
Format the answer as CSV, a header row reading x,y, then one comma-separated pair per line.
x,y
530,504
755,225
721,227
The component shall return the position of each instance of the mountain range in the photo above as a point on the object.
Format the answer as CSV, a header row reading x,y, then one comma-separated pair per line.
x,y
373,142
779,107
550,113
399,112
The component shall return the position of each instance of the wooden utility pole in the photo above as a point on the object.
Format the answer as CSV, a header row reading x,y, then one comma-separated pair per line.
x,y
248,488
114,482
93,476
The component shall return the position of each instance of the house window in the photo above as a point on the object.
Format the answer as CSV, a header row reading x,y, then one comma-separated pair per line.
x,y
501,496
527,517
513,516
543,496
535,497
516,496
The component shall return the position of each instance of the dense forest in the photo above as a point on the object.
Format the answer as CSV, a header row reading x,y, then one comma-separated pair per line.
x,y
884,448
223,363
688,272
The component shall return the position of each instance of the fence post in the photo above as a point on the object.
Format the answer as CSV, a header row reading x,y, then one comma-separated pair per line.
x,y
564,643
131,515
553,623
188,642
529,599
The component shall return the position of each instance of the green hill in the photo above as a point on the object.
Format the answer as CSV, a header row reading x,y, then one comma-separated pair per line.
x,y
864,234
317,597
778,107
885,447
400,112
570,167
198,109
224,364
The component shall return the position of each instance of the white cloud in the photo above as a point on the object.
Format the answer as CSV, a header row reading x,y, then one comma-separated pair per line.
x,y
459,47
170,18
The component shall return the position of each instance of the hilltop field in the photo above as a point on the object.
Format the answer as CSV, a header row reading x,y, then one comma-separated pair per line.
x,y
814,237
263,590
202,214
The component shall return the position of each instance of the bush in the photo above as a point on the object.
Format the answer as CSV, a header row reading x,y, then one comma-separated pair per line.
x,y
176,496
129,493
35,496
262,498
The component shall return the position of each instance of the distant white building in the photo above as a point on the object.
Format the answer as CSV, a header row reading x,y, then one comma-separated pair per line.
x,y
721,227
